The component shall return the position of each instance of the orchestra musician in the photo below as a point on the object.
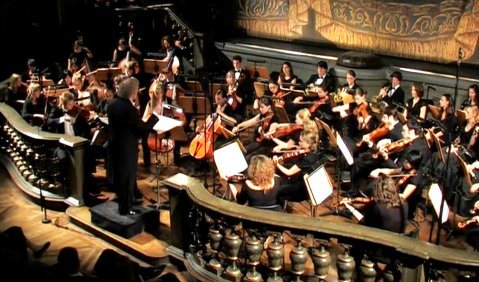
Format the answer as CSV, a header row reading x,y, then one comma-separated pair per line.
x,y
295,165
16,90
322,78
446,117
243,77
268,121
173,57
121,51
235,96
416,106
78,58
286,75
303,122
125,128
350,86
32,71
393,94
473,97
411,181
34,106
262,188
321,107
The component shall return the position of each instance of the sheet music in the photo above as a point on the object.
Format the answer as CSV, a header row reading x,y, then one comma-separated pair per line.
x,y
435,195
319,185
344,149
230,160
166,124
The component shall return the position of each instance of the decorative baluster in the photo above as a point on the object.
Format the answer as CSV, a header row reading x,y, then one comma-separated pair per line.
x,y
298,256
214,237
367,271
41,164
18,159
33,178
232,243
23,153
254,248
321,261
55,186
275,258
30,162
345,264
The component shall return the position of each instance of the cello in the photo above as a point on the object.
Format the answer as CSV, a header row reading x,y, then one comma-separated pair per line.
x,y
201,147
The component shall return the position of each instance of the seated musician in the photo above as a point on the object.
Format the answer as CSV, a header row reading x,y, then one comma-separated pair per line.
x,y
295,165
16,91
384,209
467,137
411,182
446,117
470,227
268,121
472,97
351,85
235,96
320,107
287,76
35,106
416,106
261,189
303,122
322,78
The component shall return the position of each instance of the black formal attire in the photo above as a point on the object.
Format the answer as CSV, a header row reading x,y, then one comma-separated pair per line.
x,y
414,110
394,96
380,216
327,81
30,108
264,146
396,132
78,58
415,197
259,198
125,128
245,87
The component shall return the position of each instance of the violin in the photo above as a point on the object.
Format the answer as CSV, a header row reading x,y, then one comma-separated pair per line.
x,y
287,130
401,181
321,101
264,127
463,224
361,111
377,134
395,147
278,98
291,155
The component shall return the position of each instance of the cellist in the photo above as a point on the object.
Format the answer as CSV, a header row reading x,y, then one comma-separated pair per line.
x,y
268,121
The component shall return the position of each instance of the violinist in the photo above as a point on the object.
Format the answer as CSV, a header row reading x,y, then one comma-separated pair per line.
x,y
35,106
416,106
466,140
384,209
268,121
261,189
321,106
294,169
303,122
410,182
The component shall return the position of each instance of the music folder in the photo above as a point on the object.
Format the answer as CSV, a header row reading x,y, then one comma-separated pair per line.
x,y
229,160
319,185
435,195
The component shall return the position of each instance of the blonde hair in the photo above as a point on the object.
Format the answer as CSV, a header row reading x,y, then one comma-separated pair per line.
x,y
312,138
308,123
261,171
32,88
14,78
66,97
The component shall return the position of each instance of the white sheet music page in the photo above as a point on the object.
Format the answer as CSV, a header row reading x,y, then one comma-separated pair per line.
x,y
230,160
344,149
435,195
319,185
165,124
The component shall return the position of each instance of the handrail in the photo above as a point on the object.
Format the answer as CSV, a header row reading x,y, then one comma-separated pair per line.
x,y
347,233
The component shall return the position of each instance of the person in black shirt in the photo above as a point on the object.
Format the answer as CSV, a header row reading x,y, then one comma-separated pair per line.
x,y
78,58
322,78
394,94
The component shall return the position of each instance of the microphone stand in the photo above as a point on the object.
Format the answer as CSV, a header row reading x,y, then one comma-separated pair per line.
x,y
445,169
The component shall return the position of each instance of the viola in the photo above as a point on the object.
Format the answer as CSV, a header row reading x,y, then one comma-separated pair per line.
x,y
287,130
377,134
265,126
395,147
361,111
291,155
401,181
315,106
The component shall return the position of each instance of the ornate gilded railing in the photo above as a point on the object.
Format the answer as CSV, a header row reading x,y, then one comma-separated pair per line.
x,y
220,240
42,164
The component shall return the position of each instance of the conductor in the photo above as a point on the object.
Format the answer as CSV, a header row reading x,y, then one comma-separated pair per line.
x,y
125,128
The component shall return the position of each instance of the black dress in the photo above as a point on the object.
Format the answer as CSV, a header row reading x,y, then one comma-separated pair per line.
x,y
378,215
259,198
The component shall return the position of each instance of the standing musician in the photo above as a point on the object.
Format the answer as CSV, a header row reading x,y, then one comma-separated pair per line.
x,y
121,52
268,121
261,189
235,95
243,77
173,58
416,106
294,169
394,94
78,58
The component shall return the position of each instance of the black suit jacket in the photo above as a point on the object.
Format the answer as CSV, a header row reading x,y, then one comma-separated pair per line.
x,y
396,98
328,81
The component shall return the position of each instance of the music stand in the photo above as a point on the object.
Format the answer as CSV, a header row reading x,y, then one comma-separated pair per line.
x,y
217,86
229,160
434,110
168,129
106,74
194,85
437,142
260,88
154,66
435,195
282,114
319,186
261,73
460,116
203,105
